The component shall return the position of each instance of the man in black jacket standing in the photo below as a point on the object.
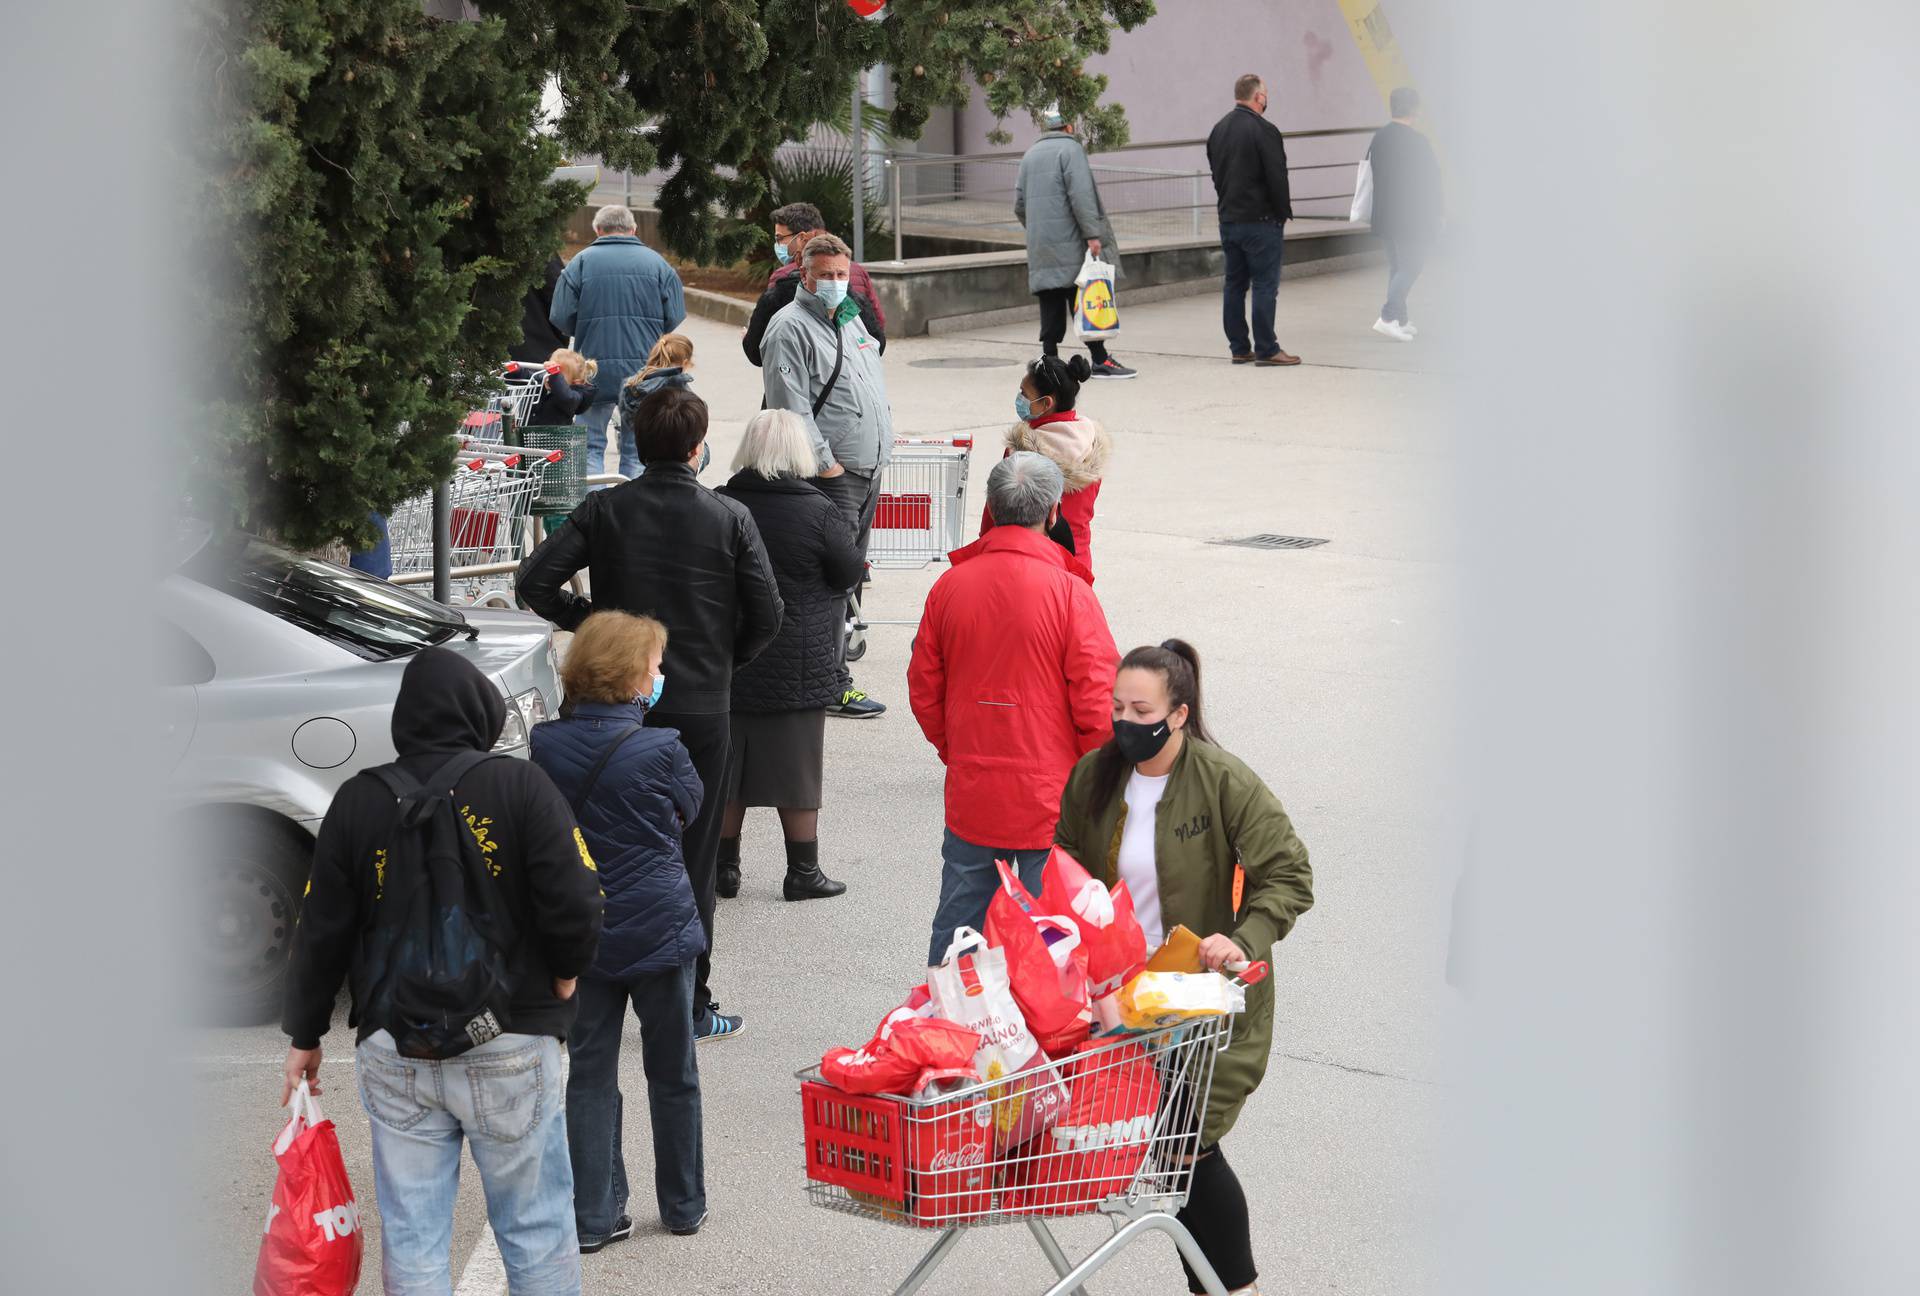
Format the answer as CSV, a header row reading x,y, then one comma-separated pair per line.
x,y
1249,163
421,1109
664,546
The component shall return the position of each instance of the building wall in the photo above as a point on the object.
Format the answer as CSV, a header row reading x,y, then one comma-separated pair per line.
x,y
1174,75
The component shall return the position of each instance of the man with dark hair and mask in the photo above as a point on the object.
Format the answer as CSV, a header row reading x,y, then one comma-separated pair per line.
x,y
422,1109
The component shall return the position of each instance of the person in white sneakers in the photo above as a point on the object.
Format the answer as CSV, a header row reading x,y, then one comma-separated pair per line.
x,y
1406,207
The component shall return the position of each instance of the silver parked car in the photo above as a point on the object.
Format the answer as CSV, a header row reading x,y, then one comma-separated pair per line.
x,y
278,675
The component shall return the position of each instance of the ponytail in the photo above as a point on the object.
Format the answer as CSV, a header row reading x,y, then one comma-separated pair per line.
x,y
1177,662
672,351
1060,379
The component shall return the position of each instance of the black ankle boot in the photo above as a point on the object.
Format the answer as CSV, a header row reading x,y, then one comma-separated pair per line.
x,y
726,882
805,881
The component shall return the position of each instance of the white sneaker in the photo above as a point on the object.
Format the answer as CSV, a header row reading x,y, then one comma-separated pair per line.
x,y
1411,327
1387,328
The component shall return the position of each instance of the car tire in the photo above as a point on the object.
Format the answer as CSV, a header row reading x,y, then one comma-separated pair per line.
x,y
253,869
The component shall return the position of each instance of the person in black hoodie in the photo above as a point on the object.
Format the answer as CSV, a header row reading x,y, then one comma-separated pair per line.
x,y
505,1097
663,545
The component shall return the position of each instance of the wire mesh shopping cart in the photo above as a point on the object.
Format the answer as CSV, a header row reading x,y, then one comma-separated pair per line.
x,y
921,516
525,385
1124,1145
491,495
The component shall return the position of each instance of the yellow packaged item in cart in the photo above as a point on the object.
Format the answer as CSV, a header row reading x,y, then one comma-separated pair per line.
x,y
1154,1000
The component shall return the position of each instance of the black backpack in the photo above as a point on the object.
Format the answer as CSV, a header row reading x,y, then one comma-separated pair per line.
x,y
440,945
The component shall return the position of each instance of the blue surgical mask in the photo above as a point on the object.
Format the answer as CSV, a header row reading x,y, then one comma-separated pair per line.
x,y
831,291
780,252
647,701
1022,406
706,457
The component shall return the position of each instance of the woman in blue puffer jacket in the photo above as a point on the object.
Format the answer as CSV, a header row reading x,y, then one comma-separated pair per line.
x,y
633,791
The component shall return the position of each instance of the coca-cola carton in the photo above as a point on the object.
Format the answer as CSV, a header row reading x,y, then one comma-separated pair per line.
x,y
949,1151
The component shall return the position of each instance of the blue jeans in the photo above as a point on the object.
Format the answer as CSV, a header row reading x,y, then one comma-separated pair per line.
x,y
1405,261
1253,251
595,421
967,882
663,1002
507,1098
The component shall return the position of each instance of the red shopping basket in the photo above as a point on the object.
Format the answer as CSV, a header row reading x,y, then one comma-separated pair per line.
x,y
920,1163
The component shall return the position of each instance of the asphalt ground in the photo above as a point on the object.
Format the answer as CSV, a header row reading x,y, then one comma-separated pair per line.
x,y
1328,669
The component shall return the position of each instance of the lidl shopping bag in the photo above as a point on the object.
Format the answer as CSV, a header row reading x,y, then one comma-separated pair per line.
x,y
970,987
1097,1145
1096,310
1046,966
312,1244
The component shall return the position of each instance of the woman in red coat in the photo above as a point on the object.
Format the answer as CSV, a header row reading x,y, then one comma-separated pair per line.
x,y
1049,425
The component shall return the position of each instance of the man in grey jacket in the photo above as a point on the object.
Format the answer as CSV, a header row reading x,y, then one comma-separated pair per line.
x,y
615,299
1058,203
818,360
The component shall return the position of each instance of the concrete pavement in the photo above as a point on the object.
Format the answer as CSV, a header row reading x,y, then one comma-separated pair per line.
x,y
1327,669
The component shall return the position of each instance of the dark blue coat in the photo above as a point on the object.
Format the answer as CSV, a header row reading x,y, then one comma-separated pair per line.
x,y
632,820
615,299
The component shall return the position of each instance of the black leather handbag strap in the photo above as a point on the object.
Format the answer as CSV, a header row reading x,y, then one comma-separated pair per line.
x,y
593,775
839,358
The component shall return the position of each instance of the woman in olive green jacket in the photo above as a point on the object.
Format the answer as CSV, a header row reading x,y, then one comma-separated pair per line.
x,y
1162,809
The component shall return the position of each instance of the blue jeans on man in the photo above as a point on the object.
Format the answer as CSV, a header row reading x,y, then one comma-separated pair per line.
x,y
595,420
663,1002
1253,251
507,1099
968,880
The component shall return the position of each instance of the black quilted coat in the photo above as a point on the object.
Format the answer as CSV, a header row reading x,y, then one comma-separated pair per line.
x,y
815,562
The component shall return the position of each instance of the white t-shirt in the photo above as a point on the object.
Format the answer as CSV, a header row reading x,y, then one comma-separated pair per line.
x,y
1137,854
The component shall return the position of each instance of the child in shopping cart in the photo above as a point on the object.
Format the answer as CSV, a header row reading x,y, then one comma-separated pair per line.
x,y
569,389
1050,425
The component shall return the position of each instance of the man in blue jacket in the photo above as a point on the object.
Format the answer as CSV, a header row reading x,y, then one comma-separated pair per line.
x,y
615,299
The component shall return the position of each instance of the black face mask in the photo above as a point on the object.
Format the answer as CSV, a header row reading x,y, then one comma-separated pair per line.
x,y
1140,742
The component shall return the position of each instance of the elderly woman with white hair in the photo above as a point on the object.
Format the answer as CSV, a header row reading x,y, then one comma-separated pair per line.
x,y
780,699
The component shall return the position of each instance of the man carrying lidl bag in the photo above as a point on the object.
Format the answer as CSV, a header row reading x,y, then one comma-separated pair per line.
x,y
453,891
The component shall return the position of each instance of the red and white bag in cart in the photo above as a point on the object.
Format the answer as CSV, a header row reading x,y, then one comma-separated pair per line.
x,y
1110,934
312,1244
970,987
1045,965
1094,1150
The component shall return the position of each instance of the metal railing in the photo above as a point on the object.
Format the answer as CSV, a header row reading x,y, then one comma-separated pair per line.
x,y
969,196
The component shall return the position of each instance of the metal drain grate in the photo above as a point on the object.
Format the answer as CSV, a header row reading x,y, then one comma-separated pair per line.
x,y
1272,542
962,362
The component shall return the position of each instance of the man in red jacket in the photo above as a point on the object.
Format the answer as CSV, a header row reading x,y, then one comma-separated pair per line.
x,y
1012,682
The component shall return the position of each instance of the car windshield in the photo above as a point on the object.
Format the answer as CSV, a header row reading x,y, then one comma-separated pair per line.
x,y
365,615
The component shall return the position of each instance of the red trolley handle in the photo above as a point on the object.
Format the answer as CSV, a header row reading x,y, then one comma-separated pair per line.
x,y
1247,973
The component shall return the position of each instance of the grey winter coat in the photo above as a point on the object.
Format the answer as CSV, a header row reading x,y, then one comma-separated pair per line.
x,y
1058,203
855,427
615,299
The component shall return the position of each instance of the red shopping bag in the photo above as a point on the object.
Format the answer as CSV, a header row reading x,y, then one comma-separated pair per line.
x,y
907,1053
312,1244
1046,967
1095,1149
1111,935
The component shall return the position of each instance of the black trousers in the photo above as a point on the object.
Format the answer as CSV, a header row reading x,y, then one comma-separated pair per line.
x,y
709,740
1056,307
1216,1215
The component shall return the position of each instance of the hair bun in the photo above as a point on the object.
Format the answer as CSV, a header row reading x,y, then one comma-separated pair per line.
x,y
1080,368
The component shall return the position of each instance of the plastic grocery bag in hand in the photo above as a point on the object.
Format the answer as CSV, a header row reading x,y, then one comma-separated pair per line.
x,y
1094,1150
1046,967
312,1243
909,1051
971,987
1096,310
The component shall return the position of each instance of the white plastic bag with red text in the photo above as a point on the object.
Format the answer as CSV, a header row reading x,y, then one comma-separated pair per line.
x,y
971,987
